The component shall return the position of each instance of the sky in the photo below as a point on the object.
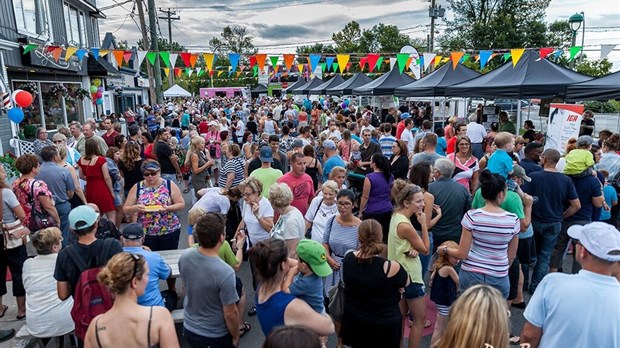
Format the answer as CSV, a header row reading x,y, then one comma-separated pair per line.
x,y
278,26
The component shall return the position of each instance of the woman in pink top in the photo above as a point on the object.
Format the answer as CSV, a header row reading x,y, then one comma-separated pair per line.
x,y
466,165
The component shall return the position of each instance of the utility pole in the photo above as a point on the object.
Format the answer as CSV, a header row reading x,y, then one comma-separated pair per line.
x,y
155,48
145,44
169,19
434,12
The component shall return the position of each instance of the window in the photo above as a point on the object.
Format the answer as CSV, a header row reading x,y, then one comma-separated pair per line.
x,y
75,25
32,17
95,26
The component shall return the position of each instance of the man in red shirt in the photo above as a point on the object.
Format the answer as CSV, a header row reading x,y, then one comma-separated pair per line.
x,y
400,127
110,134
299,182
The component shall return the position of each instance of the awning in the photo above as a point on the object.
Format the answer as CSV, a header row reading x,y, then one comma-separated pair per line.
x,y
101,67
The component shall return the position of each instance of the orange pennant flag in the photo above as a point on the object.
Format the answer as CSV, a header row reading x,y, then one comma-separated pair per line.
x,y
343,60
300,67
193,59
56,53
408,64
516,54
239,73
118,55
208,60
260,60
456,57
167,71
70,52
288,60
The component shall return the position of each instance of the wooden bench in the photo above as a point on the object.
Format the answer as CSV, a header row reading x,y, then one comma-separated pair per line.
x,y
23,339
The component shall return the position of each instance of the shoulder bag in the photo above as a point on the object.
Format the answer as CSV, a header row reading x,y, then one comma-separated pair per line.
x,y
39,219
14,234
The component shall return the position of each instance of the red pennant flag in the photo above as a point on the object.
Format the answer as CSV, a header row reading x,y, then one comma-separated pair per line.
x,y
288,60
127,56
349,65
363,62
252,62
544,52
186,56
177,72
50,48
211,72
372,61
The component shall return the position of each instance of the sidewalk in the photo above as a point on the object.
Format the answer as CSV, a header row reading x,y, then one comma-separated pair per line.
x,y
8,321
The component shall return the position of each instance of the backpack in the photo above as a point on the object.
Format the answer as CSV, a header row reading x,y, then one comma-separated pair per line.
x,y
374,120
91,298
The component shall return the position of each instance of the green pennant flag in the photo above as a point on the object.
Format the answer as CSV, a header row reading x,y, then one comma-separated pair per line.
x,y
335,67
151,57
402,59
274,60
379,62
465,58
255,68
573,52
187,71
29,47
506,56
323,67
165,56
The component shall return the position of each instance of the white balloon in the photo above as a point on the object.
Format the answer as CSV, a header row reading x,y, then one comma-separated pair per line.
x,y
15,93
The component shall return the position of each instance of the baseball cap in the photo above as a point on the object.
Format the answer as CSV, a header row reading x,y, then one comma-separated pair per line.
x,y
404,115
329,144
82,217
584,140
313,253
133,231
266,155
297,143
519,172
600,239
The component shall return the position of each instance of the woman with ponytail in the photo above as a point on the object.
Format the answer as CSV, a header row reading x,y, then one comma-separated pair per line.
x,y
375,202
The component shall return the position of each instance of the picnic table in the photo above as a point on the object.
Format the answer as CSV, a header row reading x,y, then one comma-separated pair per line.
x,y
171,257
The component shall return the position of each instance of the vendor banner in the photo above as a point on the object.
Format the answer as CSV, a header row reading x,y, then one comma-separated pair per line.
x,y
564,123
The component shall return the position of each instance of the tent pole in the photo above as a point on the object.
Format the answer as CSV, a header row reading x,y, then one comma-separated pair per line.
x,y
518,127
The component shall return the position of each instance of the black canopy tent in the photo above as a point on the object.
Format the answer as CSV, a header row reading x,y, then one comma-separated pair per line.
x,y
435,84
300,82
384,85
347,87
602,88
258,90
305,89
530,78
322,89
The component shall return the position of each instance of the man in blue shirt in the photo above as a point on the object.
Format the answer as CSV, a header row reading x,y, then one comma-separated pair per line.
x,y
133,237
333,159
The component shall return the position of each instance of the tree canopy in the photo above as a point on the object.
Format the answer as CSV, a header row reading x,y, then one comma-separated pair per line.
x,y
379,38
234,39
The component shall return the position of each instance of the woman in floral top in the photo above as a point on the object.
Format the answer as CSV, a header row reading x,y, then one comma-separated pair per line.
x,y
155,203
27,187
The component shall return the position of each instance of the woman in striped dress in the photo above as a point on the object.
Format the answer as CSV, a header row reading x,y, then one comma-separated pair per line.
x,y
232,172
489,239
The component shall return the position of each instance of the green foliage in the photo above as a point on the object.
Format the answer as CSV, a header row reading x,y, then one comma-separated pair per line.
x,y
594,68
348,39
163,45
233,40
380,38
559,34
611,106
8,162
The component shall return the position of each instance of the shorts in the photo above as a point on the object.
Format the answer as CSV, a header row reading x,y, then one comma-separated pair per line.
x,y
414,291
513,278
238,287
443,310
526,250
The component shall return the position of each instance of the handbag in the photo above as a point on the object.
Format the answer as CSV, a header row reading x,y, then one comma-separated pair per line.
x,y
14,233
309,230
39,219
336,301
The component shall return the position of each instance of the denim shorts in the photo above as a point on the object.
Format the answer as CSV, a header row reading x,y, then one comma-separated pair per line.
x,y
414,291
468,279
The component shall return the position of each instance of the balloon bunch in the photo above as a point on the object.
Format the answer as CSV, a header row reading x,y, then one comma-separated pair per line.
x,y
22,99
345,104
96,92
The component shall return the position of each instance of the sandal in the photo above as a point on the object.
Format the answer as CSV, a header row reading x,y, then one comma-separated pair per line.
x,y
186,191
4,308
514,339
252,311
427,323
21,317
246,327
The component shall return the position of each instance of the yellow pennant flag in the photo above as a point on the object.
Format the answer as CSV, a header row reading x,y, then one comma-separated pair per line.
x,y
209,60
103,53
437,60
445,60
276,68
167,71
220,73
516,54
300,67
342,59
70,52
456,57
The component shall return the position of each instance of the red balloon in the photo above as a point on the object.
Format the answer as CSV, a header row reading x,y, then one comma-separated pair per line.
x,y
23,99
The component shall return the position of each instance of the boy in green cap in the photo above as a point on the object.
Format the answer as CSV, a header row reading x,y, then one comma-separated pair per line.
x,y
305,280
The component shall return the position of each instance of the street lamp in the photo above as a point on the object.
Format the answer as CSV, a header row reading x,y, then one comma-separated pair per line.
x,y
575,21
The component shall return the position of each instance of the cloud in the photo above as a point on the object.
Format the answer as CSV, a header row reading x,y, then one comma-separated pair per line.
x,y
284,32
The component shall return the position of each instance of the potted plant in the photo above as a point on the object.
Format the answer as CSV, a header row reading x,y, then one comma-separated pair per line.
x,y
8,162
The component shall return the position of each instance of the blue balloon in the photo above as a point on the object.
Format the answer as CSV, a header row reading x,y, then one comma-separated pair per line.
x,y
16,115
346,101
99,101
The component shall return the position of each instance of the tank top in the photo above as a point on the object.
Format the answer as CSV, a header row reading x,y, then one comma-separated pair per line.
x,y
397,247
202,160
269,128
271,312
314,174
443,291
148,332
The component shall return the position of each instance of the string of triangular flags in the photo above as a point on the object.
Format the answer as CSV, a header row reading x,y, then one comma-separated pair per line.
x,y
285,63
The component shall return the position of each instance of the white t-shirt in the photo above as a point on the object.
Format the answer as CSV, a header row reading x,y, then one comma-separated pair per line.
x,y
289,226
407,137
213,202
255,231
476,132
241,129
319,213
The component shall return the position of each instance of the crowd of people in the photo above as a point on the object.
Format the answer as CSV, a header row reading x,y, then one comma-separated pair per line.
x,y
351,218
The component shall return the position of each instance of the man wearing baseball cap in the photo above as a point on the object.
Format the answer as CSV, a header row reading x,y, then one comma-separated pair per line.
x,y
132,238
579,310
266,174
332,158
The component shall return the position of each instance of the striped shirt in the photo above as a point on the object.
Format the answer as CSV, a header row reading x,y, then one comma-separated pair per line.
x,y
386,142
234,165
491,233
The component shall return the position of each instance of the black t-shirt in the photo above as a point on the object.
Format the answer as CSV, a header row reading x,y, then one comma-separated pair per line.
x,y
391,120
133,176
252,127
529,135
66,269
163,152
256,163
587,188
587,131
554,191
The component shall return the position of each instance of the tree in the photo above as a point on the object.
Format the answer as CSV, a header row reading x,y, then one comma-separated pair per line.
x,y
559,34
488,24
163,45
594,68
383,38
348,39
233,40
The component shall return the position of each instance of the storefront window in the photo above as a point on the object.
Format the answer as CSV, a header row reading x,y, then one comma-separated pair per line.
x,y
73,104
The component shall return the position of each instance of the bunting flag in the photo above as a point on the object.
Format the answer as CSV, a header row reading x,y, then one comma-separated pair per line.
x,y
167,71
260,60
484,58
408,63
428,59
234,60
421,63
363,61
335,66
544,52
199,71
56,53
95,52
505,57
173,59
372,61
329,61
379,62
29,47
177,72
516,54
252,61
605,50
348,66
464,58
300,68
343,61
288,61
273,60
51,48
255,68
557,53
401,60
118,55
314,61
438,60
150,56
193,60
573,52
127,56
185,56
456,58
141,56
70,52
209,58
103,53
323,67
276,68
189,72
211,72
165,57
80,54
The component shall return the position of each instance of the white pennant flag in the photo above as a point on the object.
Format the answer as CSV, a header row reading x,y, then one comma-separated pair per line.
x,y
428,59
138,62
189,72
605,50
393,62
173,59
